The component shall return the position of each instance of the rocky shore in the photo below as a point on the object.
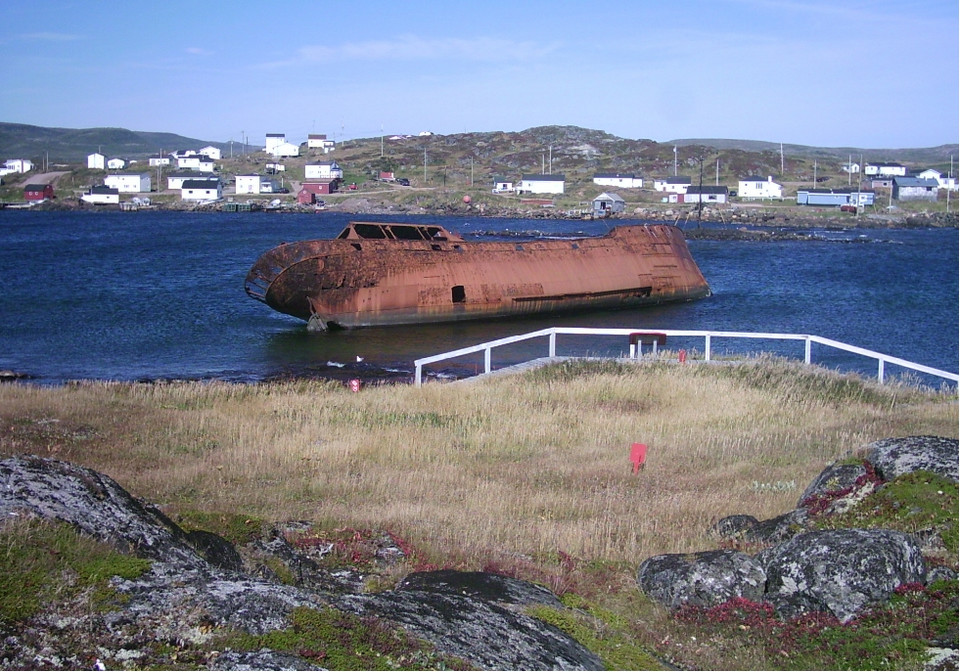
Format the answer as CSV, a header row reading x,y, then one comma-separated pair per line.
x,y
777,221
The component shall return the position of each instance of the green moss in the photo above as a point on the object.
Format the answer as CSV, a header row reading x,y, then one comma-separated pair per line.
x,y
235,528
601,631
340,641
40,560
914,502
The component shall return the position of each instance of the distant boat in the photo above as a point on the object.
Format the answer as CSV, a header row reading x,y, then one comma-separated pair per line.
x,y
376,274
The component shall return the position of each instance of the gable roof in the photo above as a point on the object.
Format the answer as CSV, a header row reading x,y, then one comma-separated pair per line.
x,y
616,198
200,184
707,189
915,182
629,176
543,178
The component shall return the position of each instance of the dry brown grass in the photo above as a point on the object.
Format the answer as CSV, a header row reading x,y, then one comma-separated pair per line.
x,y
523,465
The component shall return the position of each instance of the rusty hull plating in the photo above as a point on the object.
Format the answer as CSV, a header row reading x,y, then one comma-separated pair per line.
x,y
391,273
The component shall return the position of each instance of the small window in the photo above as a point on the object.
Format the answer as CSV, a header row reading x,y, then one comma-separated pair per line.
x,y
459,295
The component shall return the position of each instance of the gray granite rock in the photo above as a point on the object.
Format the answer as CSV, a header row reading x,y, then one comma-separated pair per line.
x,y
701,579
839,571
897,456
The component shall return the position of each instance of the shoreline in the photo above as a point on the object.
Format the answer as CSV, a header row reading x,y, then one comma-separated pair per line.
x,y
752,215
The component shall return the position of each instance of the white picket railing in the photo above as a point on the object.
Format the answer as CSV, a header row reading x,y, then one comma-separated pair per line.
x,y
638,337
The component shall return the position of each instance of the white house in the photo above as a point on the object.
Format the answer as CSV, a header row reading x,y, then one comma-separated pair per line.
x,y
247,184
210,152
102,196
758,187
541,184
850,167
11,166
276,168
885,169
159,161
128,183
618,180
324,170
319,141
674,185
116,163
176,180
502,185
18,165
284,149
201,190
705,194
96,161
273,141
196,162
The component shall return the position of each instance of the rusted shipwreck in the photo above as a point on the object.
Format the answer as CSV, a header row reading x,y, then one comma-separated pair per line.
x,y
378,273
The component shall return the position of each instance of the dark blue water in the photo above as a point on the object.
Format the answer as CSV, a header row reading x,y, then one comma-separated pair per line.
x,y
151,295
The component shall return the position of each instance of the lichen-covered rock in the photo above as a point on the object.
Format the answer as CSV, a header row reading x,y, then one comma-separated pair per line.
x,y
701,579
94,504
482,585
837,483
264,659
897,456
839,571
488,634
734,526
781,528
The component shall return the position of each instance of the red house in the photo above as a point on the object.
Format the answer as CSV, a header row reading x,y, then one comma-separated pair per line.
x,y
310,189
38,192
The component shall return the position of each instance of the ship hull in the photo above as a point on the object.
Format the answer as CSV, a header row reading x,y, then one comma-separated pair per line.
x,y
353,282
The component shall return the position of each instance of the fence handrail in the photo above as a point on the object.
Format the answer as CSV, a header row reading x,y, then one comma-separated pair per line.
x,y
707,335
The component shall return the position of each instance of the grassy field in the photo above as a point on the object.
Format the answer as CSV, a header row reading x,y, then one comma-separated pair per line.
x,y
528,474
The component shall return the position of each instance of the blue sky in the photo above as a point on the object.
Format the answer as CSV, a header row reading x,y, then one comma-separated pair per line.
x,y
873,74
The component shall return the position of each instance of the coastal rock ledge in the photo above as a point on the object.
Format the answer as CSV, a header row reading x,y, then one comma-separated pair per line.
x,y
198,584
804,568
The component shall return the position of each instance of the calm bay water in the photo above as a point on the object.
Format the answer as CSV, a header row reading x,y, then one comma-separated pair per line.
x,y
147,295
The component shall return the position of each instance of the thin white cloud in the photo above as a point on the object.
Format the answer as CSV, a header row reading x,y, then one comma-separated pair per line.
x,y
198,51
414,48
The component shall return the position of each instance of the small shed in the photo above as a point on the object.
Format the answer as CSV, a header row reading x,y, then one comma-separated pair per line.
x,y
914,189
38,192
607,204
706,194
542,184
102,195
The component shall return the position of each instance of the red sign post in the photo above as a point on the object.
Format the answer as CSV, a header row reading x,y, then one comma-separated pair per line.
x,y
638,455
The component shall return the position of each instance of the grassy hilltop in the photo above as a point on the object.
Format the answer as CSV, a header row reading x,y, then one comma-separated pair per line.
x,y
442,169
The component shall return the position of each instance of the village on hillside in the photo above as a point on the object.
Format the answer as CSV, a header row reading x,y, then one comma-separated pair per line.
x,y
305,176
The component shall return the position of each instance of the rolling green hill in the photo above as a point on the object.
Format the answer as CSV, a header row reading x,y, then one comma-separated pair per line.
x,y
72,145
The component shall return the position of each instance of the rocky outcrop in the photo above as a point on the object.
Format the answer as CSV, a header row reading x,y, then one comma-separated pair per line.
x,y
839,571
701,579
198,584
804,569
895,457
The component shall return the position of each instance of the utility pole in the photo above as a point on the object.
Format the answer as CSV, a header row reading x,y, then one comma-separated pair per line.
x,y
424,165
700,199
674,160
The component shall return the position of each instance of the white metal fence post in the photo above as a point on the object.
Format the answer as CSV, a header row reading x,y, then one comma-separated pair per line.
x,y
706,347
